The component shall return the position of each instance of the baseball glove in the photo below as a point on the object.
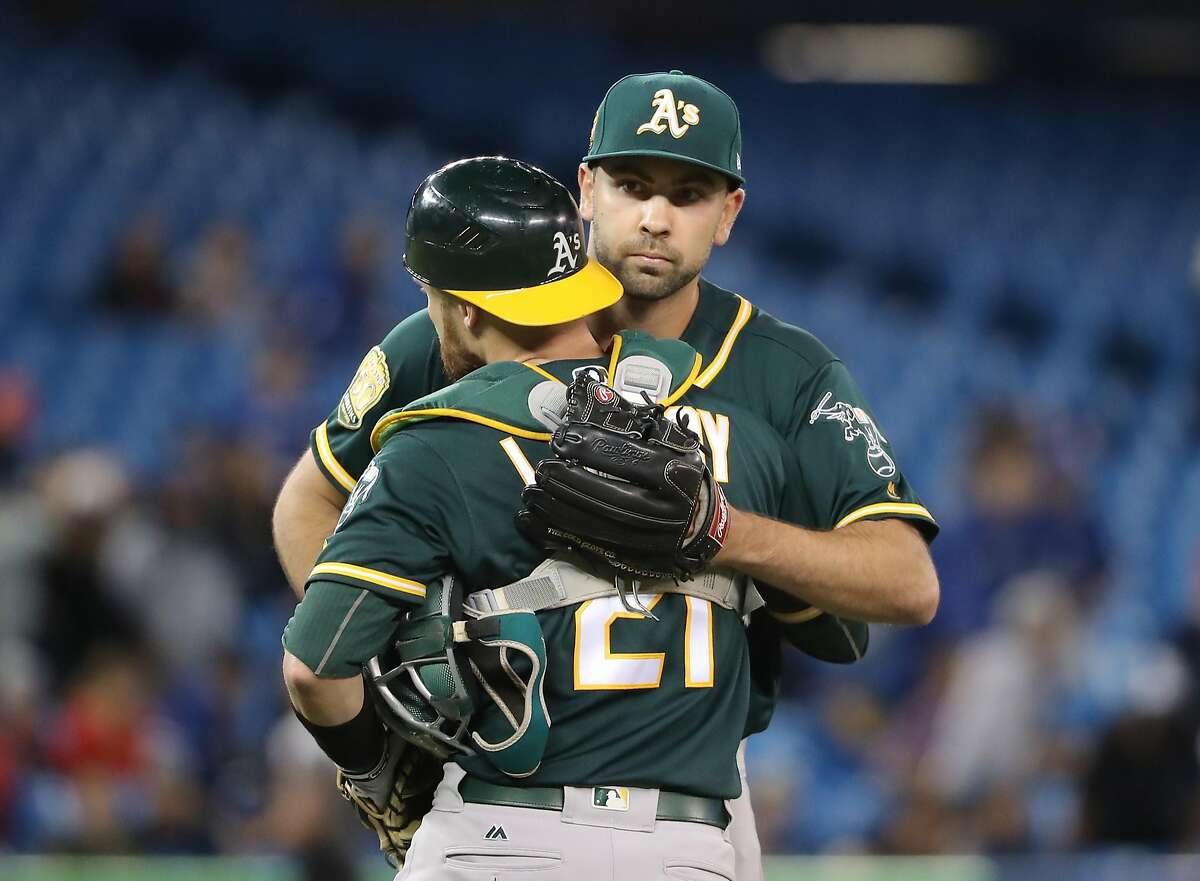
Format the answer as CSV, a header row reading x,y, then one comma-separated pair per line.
x,y
627,484
392,800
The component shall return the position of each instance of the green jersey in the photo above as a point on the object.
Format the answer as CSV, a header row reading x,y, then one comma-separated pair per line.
x,y
847,470
633,701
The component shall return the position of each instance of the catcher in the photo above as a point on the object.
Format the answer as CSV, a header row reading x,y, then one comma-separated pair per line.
x,y
582,705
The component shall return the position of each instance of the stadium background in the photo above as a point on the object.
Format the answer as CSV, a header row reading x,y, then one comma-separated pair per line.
x,y
991,214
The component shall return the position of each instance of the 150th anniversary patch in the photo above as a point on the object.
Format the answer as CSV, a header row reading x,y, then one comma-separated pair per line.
x,y
856,423
366,389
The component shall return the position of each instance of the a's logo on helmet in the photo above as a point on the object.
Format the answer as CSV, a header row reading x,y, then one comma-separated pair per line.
x,y
604,394
667,111
566,253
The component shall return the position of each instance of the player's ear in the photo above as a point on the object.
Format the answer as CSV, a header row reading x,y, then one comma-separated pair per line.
x,y
733,206
587,180
470,314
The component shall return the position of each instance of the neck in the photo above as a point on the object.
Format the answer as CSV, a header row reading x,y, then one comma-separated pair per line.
x,y
666,318
535,345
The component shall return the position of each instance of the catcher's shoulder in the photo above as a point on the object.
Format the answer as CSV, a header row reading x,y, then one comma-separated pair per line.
x,y
493,397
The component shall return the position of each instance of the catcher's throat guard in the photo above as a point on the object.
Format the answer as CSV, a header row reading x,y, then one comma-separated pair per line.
x,y
460,681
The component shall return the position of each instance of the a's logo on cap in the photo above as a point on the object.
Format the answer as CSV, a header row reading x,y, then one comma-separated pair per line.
x,y
566,253
667,112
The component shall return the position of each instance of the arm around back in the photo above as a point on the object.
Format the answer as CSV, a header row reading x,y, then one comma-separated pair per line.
x,y
306,512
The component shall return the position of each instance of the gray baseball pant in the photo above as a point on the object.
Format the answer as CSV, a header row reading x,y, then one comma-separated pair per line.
x,y
461,841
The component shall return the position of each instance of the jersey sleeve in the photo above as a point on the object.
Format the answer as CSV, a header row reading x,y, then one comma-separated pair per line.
x,y
336,628
393,534
849,469
405,366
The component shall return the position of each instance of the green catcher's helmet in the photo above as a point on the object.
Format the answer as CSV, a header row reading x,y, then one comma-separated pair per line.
x,y
507,237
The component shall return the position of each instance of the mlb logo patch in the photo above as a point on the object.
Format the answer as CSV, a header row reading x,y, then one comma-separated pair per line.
x,y
610,798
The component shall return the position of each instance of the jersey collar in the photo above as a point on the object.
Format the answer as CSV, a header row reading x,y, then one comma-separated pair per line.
x,y
497,395
719,317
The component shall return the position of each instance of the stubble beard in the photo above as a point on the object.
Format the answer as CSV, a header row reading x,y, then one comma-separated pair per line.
x,y
642,285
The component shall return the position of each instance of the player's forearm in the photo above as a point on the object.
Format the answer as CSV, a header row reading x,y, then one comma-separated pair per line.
x,y
869,571
305,514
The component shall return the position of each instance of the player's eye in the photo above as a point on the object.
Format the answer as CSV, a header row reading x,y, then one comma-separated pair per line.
x,y
687,197
632,187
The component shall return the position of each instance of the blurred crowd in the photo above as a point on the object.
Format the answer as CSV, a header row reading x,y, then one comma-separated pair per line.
x,y
141,705
988,731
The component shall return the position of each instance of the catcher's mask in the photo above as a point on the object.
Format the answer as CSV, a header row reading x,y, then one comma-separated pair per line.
x,y
458,681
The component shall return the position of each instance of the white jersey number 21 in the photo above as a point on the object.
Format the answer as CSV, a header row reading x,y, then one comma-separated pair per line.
x,y
599,668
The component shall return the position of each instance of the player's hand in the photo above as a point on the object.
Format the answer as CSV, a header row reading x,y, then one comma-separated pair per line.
x,y
628,485
393,803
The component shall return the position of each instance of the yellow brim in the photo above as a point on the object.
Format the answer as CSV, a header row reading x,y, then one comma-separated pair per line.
x,y
556,302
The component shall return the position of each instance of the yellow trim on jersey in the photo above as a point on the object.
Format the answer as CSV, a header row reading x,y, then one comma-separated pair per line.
x,y
798,617
519,459
332,465
434,412
612,360
910,508
690,681
718,361
687,384
373,576
538,370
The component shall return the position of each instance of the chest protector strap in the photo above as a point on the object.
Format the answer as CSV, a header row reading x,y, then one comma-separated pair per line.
x,y
566,579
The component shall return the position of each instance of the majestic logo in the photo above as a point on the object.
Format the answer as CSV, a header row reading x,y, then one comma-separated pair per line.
x,y
604,394
667,113
610,798
361,490
566,252
366,389
621,453
857,423
496,833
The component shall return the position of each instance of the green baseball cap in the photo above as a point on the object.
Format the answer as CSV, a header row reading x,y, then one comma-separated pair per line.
x,y
673,115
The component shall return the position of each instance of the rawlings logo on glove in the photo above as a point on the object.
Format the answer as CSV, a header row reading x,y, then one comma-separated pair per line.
x,y
621,454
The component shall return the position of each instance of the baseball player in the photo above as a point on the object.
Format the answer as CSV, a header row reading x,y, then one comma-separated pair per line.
x,y
646,693
661,184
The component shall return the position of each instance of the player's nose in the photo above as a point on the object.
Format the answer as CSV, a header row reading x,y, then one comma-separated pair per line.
x,y
656,216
